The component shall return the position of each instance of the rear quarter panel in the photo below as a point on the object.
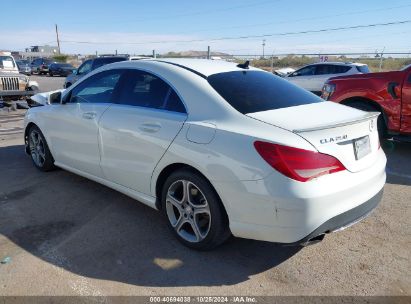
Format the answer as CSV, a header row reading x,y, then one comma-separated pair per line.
x,y
372,86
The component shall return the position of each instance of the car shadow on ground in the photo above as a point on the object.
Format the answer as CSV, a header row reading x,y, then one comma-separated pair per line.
x,y
96,232
398,162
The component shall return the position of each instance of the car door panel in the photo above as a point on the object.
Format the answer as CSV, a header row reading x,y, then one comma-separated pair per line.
x,y
133,140
73,124
73,134
406,105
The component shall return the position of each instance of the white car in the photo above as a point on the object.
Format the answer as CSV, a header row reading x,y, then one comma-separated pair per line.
x,y
219,148
313,76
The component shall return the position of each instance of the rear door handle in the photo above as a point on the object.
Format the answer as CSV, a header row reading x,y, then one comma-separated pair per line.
x,y
89,115
150,127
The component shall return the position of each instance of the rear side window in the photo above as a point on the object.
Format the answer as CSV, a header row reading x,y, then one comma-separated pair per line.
x,y
143,89
102,61
363,68
256,91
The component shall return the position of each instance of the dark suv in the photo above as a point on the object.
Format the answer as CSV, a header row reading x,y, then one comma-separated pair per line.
x,y
90,65
41,65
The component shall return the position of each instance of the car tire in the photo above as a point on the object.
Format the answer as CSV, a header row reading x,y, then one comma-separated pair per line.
x,y
51,74
381,125
39,150
67,85
194,211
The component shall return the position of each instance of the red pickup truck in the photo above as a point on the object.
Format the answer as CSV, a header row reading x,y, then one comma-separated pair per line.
x,y
388,93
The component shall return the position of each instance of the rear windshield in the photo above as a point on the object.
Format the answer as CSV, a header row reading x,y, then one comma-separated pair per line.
x,y
6,62
363,68
256,91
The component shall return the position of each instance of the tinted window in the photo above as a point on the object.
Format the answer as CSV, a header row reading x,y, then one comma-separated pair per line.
x,y
102,61
146,90
6,62
85,67
307,71
255,91
324,69
98,88
363,68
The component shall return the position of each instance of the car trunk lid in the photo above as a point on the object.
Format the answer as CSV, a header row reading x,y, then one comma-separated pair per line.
x,y
348,134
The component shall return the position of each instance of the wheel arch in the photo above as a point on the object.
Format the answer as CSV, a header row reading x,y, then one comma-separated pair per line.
x,y
168,170
26,134
367,101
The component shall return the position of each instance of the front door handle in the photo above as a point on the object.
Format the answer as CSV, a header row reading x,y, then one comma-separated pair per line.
x,y
89,115
150,127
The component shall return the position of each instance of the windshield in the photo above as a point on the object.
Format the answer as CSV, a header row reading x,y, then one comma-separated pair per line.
x,y
6,62
102,61
64,65
256,91
406,67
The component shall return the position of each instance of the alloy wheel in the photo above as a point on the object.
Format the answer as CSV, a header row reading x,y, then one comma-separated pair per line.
x,y
188,211
37,148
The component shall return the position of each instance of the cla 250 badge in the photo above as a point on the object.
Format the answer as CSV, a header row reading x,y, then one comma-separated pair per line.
x,y
333,139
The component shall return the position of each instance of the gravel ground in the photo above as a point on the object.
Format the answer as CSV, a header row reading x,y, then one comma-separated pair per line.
x,y
65,235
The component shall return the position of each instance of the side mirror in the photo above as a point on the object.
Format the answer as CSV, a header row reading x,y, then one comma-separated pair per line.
x,y
55,98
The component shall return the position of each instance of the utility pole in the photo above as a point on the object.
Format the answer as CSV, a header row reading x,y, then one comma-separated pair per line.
x,y
263,47
272,62
382,53
208,53
58,40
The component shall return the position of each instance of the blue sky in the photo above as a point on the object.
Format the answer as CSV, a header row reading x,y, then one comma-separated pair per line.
x,y
133,26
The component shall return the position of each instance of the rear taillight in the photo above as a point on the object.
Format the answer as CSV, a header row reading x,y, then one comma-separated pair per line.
x,y
298,164
327,91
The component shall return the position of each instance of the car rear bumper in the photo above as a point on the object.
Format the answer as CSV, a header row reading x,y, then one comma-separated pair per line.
x,y
343,220
278,209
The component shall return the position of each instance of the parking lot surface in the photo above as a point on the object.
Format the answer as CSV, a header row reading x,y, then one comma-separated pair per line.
x,y
61,234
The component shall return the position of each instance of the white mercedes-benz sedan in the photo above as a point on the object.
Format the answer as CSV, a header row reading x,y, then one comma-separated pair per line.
x,y
221,149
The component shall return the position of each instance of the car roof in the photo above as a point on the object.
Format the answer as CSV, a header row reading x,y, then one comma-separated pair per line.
x,y
338,63
201,67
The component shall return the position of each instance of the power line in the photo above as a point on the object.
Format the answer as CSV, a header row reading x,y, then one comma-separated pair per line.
x,y
249,36
303,19
195,13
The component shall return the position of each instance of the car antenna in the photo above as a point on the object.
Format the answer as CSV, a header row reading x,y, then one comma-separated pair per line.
x,y
244,65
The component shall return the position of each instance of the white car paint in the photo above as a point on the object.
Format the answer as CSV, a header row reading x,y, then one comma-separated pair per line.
x,y
43,98
315,82
126,148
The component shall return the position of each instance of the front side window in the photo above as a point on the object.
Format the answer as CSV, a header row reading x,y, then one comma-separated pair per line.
x,y
143,89
85,67
256,91
307,71
99,88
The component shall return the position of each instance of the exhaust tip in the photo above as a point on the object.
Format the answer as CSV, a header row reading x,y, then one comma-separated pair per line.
x,y
314,240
